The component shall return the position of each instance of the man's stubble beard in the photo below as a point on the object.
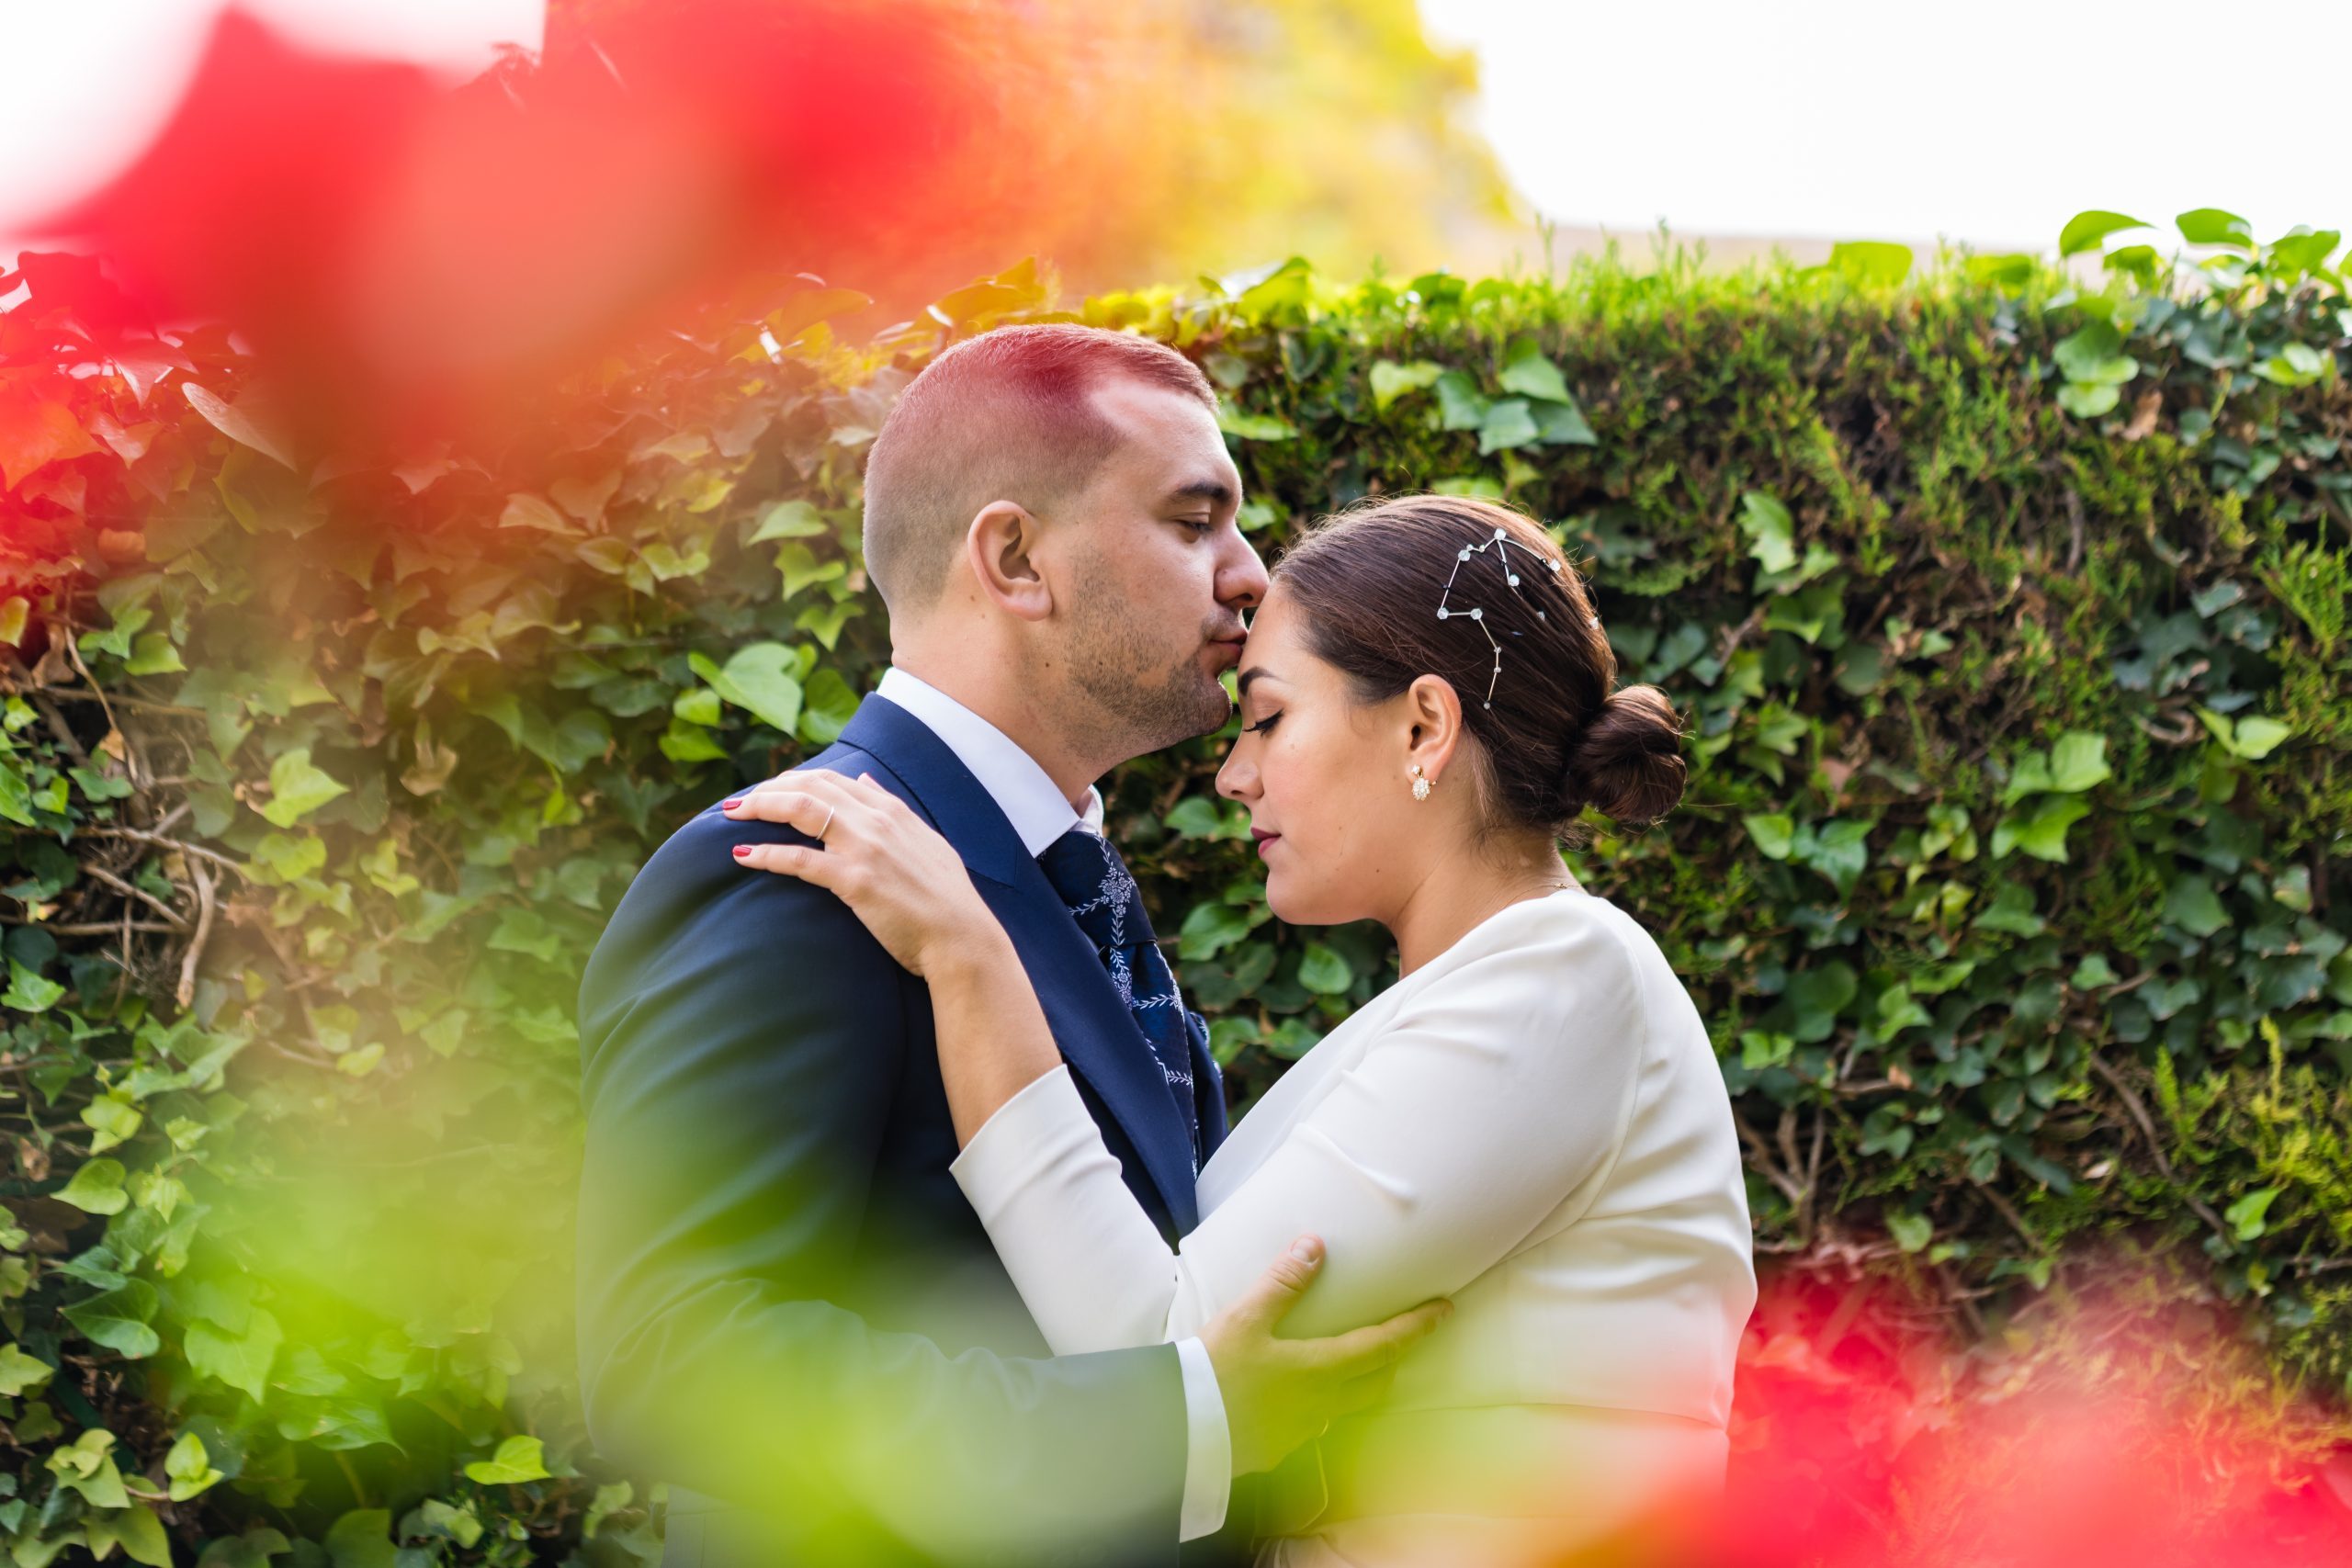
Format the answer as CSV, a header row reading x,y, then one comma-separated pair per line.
x,y
1131,701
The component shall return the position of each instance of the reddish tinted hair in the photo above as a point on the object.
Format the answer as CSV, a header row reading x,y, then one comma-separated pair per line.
x,y
1008,415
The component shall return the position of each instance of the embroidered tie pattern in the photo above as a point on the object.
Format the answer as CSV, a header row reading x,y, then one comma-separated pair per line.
x,y
1103,898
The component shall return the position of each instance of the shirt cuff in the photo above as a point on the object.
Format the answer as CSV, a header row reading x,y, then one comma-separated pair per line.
x,y
1208,1446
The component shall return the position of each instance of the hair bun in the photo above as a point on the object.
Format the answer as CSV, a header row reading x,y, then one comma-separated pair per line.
x,y
1628,763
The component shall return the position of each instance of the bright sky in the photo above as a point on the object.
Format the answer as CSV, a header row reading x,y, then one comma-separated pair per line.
x,y
1991,122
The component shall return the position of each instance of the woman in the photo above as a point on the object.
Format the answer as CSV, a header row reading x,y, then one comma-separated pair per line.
x,y
1530,1121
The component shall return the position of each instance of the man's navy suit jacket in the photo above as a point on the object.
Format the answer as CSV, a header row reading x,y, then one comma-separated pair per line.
x,y
787,1309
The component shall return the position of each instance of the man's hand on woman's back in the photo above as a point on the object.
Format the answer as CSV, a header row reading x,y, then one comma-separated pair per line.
x,y
1281,1392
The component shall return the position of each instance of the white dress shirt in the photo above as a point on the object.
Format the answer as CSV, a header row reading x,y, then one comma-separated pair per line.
x,y
1040,813
1532,1123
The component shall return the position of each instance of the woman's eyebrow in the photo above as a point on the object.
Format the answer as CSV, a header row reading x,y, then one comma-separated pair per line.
x,y
1241,686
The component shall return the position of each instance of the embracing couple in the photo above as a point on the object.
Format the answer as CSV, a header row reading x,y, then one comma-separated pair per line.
x,y
911,1229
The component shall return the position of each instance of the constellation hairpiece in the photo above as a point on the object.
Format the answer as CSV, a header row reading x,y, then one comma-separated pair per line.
x,y
1499,544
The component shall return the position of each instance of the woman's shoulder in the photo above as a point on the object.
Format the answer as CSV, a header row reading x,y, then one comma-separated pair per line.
x,y
1570,918
1569,950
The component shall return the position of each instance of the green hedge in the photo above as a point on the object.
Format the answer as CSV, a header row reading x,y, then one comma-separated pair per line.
x,y
2010,612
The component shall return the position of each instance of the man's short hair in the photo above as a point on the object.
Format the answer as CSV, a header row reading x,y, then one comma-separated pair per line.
x,y
1008,415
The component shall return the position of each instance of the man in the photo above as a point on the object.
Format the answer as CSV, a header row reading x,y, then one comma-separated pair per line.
x,y
787,1309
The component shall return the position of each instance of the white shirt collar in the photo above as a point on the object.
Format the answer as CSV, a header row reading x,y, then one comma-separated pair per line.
x,y
1021,789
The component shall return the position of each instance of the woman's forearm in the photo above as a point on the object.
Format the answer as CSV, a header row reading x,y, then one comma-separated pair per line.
x,y
993,1042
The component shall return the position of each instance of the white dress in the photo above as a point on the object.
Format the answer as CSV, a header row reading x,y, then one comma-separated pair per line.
x,y
1532,1123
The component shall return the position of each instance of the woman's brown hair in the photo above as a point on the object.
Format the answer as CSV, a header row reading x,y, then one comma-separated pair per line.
x,y
1557,734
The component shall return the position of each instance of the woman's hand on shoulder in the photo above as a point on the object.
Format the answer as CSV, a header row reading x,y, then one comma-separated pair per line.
x,y
896,874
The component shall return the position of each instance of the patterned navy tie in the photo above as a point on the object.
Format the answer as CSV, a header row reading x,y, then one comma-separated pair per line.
x,y
1101,897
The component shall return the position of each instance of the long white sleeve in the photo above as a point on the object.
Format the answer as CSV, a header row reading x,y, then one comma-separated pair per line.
x,y
1498,1087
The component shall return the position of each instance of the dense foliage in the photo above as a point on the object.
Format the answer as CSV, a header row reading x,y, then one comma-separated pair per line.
x,y
2011,612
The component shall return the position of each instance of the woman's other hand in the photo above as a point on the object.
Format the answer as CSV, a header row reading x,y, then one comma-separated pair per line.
x,y
893,870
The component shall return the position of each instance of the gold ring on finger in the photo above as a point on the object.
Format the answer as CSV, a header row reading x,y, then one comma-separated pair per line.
x,y
825,824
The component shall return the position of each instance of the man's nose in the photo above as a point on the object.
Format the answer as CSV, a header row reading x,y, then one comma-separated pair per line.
x,y
1241,581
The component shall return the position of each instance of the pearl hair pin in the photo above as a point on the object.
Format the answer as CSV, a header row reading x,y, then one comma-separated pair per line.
x,y
1499,544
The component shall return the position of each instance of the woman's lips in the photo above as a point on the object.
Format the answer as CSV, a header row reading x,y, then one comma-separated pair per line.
x,y
1263,839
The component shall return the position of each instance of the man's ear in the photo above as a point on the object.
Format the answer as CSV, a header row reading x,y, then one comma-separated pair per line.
x,y
1000,547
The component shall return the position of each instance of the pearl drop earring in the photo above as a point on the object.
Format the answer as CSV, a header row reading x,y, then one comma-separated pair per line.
x,y
1421,783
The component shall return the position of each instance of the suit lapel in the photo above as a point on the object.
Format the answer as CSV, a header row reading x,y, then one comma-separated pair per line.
x,y
1091,1025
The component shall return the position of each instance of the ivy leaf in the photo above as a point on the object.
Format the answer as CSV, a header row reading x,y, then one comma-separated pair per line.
x,y
248,421
362,1539
826,707
1761,1048
297,788
118,1318
151,653
2252,737
519,1459
1391,380
683,742
97,1187
240,1360
20,1373
610,1498
788,520
1530,374
1253,426
1563,424
1209,928
188,1468
665,561
1460,404
2292,255
800,568
2078,761
1773,834
112,1120
2093,355
1508,424
2195,908
29,991
1817,996
1911,1232
2042,834
36,433
2089,399
2295,365
1197,816
527,510
1876,262
136,1529
1838,851
698,705
2211,226
1771,531
2247,1215
755,679
1325,972
2085,231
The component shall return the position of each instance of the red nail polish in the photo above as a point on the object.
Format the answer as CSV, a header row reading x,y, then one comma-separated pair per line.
x,y
730,805
742,849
